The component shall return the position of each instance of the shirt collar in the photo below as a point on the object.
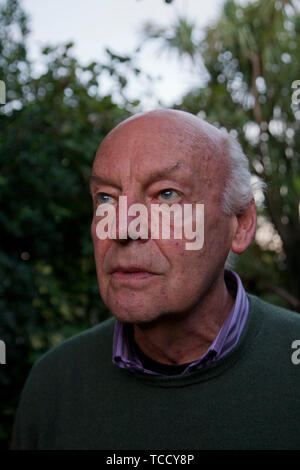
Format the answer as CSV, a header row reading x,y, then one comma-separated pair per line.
x,y
125,356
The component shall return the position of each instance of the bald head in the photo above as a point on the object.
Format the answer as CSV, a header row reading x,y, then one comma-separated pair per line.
x,y
184,127
143,142
217,156
175,119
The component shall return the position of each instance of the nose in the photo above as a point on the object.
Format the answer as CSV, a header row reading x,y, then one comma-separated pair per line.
x,y
131,220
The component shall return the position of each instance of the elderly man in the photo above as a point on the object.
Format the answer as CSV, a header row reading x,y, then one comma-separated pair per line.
x,y
189,360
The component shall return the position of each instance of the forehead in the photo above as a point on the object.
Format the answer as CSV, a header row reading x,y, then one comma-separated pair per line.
x,y
144,145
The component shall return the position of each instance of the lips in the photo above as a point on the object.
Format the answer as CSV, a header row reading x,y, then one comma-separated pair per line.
x,y
132,268
131,272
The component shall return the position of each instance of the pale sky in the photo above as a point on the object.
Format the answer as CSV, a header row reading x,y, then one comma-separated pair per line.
x,y
95,24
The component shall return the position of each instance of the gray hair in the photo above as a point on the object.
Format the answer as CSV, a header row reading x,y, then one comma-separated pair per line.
x,y
240,187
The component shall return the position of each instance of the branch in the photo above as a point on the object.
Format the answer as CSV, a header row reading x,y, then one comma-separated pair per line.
x,y
254,58
295,303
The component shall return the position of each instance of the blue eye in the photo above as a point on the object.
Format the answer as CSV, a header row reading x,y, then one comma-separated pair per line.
x,y
103,198
168,195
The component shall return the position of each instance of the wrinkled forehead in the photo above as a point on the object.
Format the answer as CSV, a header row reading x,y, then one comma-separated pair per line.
x,y
155,139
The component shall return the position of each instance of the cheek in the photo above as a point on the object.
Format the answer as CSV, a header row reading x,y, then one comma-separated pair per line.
x,y
100,246
186,279
183,263
101,255
217,236
191,267
172,250
93,231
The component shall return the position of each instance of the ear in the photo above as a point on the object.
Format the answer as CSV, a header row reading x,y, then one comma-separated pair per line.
x,y
245,230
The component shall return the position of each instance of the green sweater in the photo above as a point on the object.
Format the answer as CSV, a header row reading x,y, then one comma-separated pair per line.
x,y
75,398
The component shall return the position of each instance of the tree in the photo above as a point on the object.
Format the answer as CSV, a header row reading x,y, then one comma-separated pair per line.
x,y
251,58
51,127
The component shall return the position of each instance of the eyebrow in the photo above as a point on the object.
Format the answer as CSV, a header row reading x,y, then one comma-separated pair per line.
x,y
99,179
153,176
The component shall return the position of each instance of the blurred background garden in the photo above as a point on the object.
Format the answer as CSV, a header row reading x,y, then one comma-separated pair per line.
x,y
236,69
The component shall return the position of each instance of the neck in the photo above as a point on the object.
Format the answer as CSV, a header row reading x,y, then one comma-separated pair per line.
x,y
183,338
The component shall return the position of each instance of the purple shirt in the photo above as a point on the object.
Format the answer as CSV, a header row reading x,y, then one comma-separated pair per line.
x,y
125,356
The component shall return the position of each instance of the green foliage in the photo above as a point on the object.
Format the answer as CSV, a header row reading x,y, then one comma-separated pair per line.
x,y
251,57
51,127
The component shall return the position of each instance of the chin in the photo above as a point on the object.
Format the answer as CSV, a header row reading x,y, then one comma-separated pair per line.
x,y
135,314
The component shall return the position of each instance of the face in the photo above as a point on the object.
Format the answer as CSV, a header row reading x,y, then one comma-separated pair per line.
x,y
160,157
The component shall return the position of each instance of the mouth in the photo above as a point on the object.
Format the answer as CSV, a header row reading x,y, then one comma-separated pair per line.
x,y
131,273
